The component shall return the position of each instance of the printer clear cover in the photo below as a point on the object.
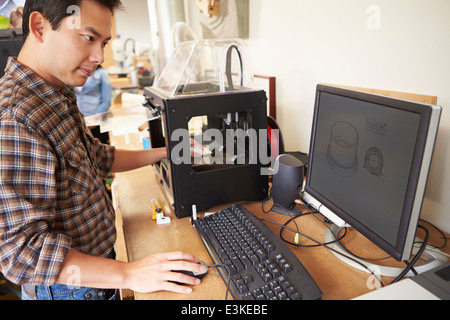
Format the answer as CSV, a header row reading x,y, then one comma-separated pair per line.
x,y
206,66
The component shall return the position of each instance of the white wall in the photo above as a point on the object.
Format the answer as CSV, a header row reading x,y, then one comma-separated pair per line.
x,y
133,21
306,42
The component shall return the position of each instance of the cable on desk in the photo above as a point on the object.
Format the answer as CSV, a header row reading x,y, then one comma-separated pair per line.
x,y
409,265
318,243
439,231
262,206
416,257
326,245
229,276
297,234
293,219
285,227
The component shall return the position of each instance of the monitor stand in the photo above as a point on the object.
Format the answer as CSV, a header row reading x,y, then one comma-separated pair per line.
x,y
291,212
433,259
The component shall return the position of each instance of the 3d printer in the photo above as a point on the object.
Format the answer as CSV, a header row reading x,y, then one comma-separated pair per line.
x,y
215,131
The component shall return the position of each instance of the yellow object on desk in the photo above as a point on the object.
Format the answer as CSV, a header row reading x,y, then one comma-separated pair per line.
x,y
156,209
158,213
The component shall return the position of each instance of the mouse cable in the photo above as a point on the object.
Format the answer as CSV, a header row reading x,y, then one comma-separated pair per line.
x,y
227,268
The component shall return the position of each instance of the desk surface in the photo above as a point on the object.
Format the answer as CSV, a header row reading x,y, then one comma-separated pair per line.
x,y
142,236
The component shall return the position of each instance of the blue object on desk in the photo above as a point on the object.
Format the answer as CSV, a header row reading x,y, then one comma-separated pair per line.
x,y
146,144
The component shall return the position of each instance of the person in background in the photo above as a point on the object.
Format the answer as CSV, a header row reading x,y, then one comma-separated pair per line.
x,y
95,98
15,19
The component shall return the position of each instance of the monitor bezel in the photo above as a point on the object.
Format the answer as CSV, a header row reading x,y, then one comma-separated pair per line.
x,y
417,178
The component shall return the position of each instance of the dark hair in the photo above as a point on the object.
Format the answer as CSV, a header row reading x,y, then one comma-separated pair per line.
x,y
56,11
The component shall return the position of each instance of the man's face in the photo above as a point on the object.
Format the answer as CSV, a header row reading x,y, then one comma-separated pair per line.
x,y
73,52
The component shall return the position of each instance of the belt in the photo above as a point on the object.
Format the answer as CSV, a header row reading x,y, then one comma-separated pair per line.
x,y
101,294
30,291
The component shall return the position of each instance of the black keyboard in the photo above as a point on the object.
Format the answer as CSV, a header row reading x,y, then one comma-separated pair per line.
x,y
260,264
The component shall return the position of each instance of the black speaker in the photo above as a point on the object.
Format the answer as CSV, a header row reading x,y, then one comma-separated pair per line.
x,y
286,184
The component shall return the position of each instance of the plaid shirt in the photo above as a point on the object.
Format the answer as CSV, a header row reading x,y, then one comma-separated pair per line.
x,y
52,196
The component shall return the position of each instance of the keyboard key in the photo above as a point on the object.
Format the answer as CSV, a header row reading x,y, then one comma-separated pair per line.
x,y
261,255
282,296
295,296
248,296
243,289
267,277
286,268
237,264
248,279
254,259
269,295
290,291
265,289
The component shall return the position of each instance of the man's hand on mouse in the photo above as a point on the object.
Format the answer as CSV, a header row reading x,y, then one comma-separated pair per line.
x,y
155,273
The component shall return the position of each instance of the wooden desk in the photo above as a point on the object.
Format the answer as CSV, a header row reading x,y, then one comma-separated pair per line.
x,y
140,236
144,237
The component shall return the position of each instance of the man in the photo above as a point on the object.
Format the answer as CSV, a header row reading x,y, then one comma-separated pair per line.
x,y
56,220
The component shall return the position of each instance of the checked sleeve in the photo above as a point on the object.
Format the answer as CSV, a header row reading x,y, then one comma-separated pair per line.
x,y
29,251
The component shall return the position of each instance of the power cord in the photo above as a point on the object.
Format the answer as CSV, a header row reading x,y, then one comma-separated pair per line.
x,y
297,234
321,244
416,257
318,243
409,265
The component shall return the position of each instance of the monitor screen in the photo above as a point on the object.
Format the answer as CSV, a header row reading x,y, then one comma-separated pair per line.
x,y
369,162
11,41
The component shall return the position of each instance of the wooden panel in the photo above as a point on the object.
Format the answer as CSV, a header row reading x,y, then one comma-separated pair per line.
x,y
395,94
271,86
145,237
120,246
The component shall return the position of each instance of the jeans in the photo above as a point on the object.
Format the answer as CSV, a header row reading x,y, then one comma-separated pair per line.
x,y
63,292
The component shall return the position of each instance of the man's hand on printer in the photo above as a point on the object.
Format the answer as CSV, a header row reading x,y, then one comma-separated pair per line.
x,y
155,273
196,149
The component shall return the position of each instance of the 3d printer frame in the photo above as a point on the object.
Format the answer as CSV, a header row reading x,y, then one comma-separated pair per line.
x,y
205,184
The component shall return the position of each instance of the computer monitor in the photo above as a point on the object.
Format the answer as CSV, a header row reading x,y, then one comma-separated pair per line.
x,y
369,161
11,41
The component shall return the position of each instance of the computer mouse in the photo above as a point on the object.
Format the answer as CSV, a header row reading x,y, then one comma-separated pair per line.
x,y
196,275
